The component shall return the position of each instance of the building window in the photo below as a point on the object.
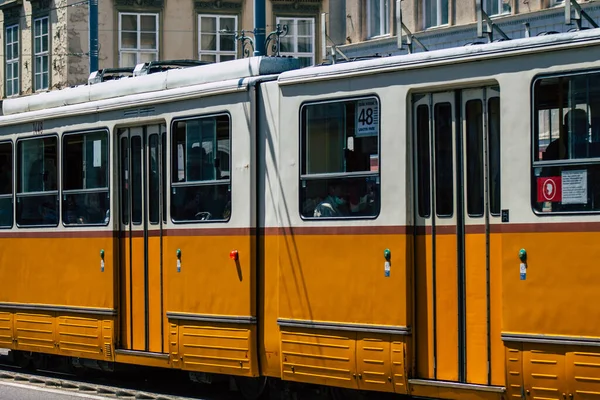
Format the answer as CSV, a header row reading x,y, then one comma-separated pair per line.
x,y
12,60
85,178
435,12
201,169
496,7
556,2
566,140
138,38
378,17
300,39
339,175
41,44
216,37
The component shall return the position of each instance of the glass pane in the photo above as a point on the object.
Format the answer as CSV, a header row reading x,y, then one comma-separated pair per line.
x,y
124,148
153,180
474,156
227,24
85,161
9,33
494,154
86,208
163,175
44,26
37,210
148,41
9,73
340,198
444,12
208,42
128,22
37,45
225,57
45,82
227,42
208,25
291,24
286,44
306,61
305,45
208,58
136,179
6,212
444,172
567,188
6,167
38,81
147,57
374,17
128,59
194,145
129,40
45,44
201,203
15,51
148,23
423,161
37,160
304,27
37,27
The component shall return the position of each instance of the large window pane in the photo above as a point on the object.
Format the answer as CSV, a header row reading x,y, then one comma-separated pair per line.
x,y
423,161
566,132
85,178
340,159
474,144
200,155
444,173
6,185
494,154
37,194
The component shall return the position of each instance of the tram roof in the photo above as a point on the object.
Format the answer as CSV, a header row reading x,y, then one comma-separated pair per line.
x,y
171,79
443,56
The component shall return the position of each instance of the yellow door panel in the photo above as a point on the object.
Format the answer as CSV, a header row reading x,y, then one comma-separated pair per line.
x,y
583,371
35,332
514,371
399,366
80,337
544,371
373,357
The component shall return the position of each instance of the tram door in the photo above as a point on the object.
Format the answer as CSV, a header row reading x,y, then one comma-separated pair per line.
x,y
141,154
456,142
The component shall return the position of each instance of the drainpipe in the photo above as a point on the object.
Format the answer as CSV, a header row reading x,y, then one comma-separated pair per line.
x,y
260,27
93,35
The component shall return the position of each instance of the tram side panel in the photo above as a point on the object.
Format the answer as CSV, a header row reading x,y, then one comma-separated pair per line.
x,y
210,263
58,293
343,285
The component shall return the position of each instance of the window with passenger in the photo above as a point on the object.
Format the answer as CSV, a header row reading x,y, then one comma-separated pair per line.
x,y
201,179
85,179
566,153
6,185
37,191
340,159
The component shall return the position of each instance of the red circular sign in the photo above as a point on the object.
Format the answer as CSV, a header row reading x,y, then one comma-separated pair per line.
x,y
549,189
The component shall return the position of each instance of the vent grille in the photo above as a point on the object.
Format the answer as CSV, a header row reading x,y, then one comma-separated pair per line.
x,y
138,112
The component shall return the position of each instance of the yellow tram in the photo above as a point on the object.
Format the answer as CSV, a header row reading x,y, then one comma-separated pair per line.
x,y
420,224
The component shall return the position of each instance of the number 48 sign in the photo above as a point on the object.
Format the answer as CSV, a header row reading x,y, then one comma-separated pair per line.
x,y
367,118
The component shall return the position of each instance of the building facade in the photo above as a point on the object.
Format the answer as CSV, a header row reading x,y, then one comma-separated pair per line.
x,y
46,42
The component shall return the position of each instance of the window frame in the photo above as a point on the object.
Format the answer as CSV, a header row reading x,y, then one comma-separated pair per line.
x,y
82,191
335,175
9,63
438,14
137,51
41,54
296,53
214,182
58,180
13,184
500,8
582,162
384,19
218,52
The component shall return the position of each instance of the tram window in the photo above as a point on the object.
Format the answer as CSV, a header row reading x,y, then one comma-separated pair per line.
x,y
444,173
153,180
340,159
201,181
6,185
494,154
164,175
37,191
136,179
474,142
85,179
124,180
566,167
423,161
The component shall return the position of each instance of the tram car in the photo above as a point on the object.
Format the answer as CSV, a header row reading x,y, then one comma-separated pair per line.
x,y
423,224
